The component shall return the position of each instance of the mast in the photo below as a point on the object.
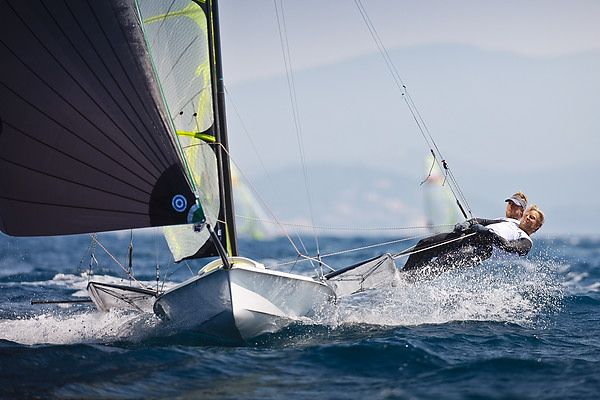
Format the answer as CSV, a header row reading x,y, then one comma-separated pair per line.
x,y
229,238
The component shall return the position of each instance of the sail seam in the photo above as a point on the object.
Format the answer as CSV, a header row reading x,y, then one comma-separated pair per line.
x,y
141,136
72,106
129,184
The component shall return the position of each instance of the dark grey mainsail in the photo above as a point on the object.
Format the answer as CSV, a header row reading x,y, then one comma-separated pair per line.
x,y
86,140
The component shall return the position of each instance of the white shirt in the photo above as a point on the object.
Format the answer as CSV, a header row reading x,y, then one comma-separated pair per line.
x,y
510,231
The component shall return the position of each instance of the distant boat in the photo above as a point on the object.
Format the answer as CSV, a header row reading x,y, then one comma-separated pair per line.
x,y
112,117
440,206
255,221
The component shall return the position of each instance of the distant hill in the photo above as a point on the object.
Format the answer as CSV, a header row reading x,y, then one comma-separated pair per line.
x,y
505,122
356,198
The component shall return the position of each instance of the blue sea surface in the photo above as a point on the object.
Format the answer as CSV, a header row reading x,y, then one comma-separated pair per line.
x,y
527,329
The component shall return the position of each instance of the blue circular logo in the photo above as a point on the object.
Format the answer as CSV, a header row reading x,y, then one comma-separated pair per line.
x,y
179,203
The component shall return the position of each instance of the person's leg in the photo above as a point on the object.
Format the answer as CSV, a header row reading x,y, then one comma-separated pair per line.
x,y
431,247
470,254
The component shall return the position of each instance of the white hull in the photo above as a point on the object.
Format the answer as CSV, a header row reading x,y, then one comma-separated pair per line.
x,y
242,302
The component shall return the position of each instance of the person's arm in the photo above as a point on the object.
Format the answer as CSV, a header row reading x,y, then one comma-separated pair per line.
x,y
486,222
519,246
470,223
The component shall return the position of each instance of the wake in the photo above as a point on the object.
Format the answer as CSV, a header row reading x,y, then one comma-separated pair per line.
x,y
523,293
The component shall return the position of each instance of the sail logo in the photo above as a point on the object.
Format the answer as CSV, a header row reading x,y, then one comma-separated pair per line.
x,y
198,227
179,203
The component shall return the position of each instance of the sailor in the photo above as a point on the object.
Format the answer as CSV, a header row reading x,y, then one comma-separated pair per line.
x,y
497,241
437,245
512,238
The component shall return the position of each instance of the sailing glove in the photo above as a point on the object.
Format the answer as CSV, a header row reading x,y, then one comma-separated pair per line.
x,y
461,227
480,229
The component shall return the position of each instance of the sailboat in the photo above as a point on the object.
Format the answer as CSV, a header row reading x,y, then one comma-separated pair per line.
x,y
113,117
440,208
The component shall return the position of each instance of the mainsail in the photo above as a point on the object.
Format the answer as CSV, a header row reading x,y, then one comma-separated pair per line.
x,y
86,140
107,120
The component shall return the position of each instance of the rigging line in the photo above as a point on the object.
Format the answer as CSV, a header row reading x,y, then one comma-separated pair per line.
x,y
441,162
318,260
433,163
157,249
259,197
345,228
293,98
408,100
260,160
91,249
115,260
165,276
306,258
168,276
187,264
306,251
449,176
373,246
130,253
396,76
382,49
460,192
454,187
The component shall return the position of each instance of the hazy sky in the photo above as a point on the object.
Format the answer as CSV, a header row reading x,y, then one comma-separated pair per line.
x,y
509,90
328,31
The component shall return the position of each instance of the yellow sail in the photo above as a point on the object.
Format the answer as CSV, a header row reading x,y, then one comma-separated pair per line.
x,y
177,35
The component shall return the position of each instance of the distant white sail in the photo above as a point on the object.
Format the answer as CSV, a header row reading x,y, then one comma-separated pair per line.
x,y
440,206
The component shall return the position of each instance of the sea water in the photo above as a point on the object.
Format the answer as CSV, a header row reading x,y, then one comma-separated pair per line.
x,y
528,329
